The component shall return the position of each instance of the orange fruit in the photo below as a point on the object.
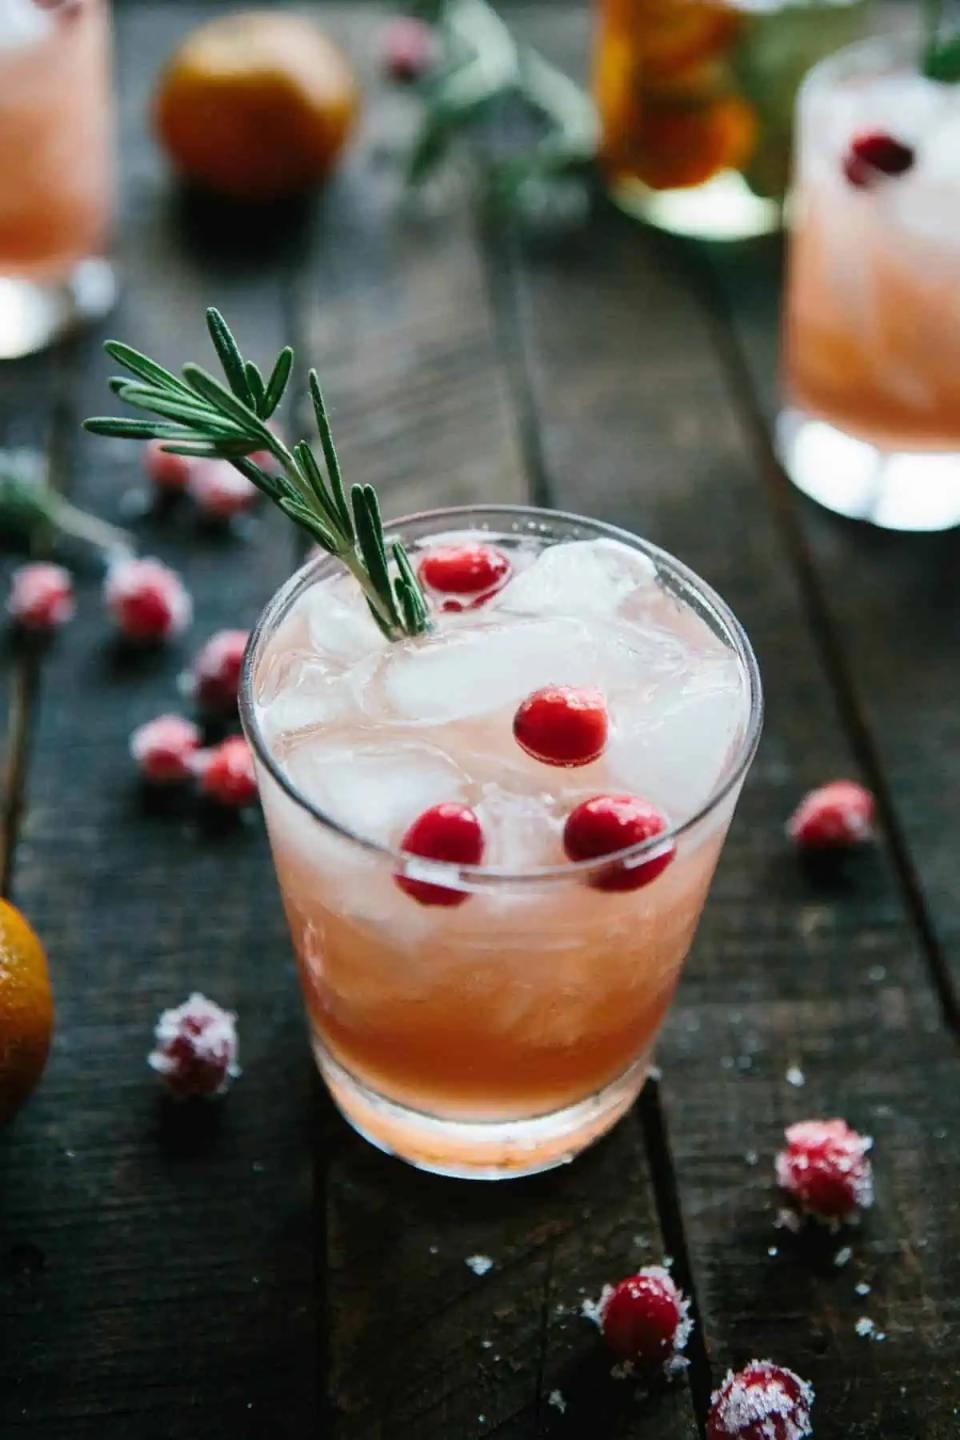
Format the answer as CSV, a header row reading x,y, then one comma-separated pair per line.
x,y
26,1009
668,36
256,106
681,144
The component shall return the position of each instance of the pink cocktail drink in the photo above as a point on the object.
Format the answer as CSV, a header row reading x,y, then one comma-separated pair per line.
x,y
500,1033
56,167
872,325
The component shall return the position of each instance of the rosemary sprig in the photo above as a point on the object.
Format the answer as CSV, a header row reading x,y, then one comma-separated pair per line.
x,y
481,68
33,512
199,415
940,58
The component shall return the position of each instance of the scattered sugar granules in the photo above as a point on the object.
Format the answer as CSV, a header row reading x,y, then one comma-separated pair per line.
x,y
555,1398
479,1264
795,1077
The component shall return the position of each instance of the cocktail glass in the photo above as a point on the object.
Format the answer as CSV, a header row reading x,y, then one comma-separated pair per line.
x,y
872,325
56,169
499,1036
696,103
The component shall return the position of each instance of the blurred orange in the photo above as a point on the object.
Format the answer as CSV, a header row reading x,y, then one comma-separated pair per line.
x,y
26,1010
667,36
256,106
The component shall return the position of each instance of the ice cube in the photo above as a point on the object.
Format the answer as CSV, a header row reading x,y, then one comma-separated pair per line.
x,y
579,577
457,674
672,749
339,622
23,22
374,790
521,832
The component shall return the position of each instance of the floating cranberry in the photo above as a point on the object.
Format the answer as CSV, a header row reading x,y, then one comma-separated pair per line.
x,y
196,1048
227,774
875,155
219,491
41,597
762,1401
147,600
609,823
165,749
833,817
409,48
562,725
215,674
470,570
166,472
825,1169
451,833
644,1319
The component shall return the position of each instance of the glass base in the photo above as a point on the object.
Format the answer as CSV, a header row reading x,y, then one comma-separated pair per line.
x,y
724,208
898,490
33,313
480,1149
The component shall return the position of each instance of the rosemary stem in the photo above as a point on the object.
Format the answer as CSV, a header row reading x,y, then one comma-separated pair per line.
x,y
84,526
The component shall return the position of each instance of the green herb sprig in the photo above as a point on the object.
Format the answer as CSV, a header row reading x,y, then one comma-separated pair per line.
x,y
200,416
481,68
33,512
940,58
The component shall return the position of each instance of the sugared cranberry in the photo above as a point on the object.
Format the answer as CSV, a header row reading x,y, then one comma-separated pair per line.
x,y
466,575
451,833
219,491
41,596
196,1048
562,725
227,774
215,674
147,600
165,748
608,823
833,817
825,1169
409,48
644,1319
762,1401
875,155
166,472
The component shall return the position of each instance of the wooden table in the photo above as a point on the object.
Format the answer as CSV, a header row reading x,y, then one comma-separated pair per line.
x,y
258,1271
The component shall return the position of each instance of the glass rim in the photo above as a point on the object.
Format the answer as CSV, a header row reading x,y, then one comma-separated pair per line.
x,y
480,876
890,44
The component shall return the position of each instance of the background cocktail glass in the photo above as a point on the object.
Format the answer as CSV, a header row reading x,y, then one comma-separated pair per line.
x,y
872,322
501,1036
696,103
56,169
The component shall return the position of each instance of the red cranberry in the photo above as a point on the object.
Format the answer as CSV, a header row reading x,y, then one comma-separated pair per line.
x,y
644,1319
219,491
170,473
444,832
562,725
147,600
825,1169
196,1048
833,817
409,48
41,597
875,155
227,774
216,670
165,749
472,570
762,1401
608,823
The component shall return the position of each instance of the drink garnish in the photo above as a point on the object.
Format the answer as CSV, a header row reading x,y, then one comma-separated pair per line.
x,y
200,416
562,725
609,823
645,1320
825,1170
33,511
448,833
876,155
471,570
762,1401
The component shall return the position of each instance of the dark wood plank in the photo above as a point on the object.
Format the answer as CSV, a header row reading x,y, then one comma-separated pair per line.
x,y
636,423
156,1263
399,319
